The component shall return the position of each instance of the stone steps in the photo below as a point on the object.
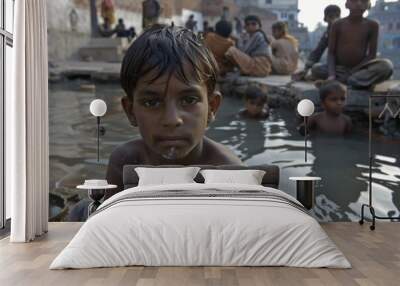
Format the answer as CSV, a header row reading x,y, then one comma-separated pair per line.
x,y
283,91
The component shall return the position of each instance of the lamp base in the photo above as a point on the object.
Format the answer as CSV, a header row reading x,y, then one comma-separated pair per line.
x,y
305,193
95,195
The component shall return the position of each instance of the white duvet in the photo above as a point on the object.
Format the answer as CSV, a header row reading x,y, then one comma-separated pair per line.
x,y
202,231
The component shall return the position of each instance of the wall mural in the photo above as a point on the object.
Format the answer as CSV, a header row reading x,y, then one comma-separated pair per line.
x,y
222,90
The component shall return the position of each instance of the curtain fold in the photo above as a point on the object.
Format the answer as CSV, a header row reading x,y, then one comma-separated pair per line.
x,y
27,143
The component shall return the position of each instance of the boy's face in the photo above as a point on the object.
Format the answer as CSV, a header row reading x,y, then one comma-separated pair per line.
x,y
330,18
251,26
334,103
277,33
255,106
172,116
358,7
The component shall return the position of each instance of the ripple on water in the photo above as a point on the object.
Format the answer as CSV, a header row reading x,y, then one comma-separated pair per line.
x,y
341,163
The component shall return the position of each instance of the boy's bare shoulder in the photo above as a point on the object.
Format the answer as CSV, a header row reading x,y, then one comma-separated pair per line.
x,y
339,22
129,152
316,116
371,22
219,154
345,21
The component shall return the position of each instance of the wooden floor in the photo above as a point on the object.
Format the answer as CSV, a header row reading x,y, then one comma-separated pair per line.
x,y
375,257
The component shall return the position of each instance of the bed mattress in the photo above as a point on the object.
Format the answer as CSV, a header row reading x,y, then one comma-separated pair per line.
x,y
201,225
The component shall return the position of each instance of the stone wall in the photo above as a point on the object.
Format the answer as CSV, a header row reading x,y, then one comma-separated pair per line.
x,y
64,40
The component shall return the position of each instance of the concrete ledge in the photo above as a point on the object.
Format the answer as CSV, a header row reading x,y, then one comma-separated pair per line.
x,y
102,71
104,49
283,91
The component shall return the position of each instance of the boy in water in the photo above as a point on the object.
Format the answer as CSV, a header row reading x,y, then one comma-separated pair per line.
x,y
353,43
169,78
332,120
255,104
331,14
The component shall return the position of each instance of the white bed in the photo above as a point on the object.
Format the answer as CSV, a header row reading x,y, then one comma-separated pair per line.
x,y
224,225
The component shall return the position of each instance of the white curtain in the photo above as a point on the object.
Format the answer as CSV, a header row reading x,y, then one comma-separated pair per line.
x,y
27,153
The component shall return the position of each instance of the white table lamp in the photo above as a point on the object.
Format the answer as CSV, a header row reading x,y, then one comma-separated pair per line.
x,y
98,108
305,108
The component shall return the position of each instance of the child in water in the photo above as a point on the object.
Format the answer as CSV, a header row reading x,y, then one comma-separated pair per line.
x,y
255,104
332,120
169,78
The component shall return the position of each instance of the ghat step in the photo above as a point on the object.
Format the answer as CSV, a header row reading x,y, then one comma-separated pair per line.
x,y
283,91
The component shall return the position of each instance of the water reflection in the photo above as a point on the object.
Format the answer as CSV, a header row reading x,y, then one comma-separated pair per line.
x,y
341,163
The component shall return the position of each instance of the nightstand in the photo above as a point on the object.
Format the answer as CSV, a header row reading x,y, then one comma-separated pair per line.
x,y
96,190
305,192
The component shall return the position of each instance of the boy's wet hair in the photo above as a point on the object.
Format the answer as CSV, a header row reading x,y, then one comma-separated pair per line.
x,y
254,92
168,49
329,87
223,28
332,10
280,26
251,18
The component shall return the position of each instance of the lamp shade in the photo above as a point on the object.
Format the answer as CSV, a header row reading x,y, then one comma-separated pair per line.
x,y
305,107
98,107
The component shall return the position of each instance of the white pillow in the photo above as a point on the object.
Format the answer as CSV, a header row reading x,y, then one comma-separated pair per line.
x,y
164,176
247,177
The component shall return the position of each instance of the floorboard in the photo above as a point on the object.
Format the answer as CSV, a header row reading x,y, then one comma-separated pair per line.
x,y
374,255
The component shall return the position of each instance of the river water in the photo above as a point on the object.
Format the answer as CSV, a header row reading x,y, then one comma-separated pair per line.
x,y
342,163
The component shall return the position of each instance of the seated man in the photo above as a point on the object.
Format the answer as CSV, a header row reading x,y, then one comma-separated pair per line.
x,y
219,42
255,104
169,79
131,33
120,29
332,120
251,56
331,14
285,53
353,43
